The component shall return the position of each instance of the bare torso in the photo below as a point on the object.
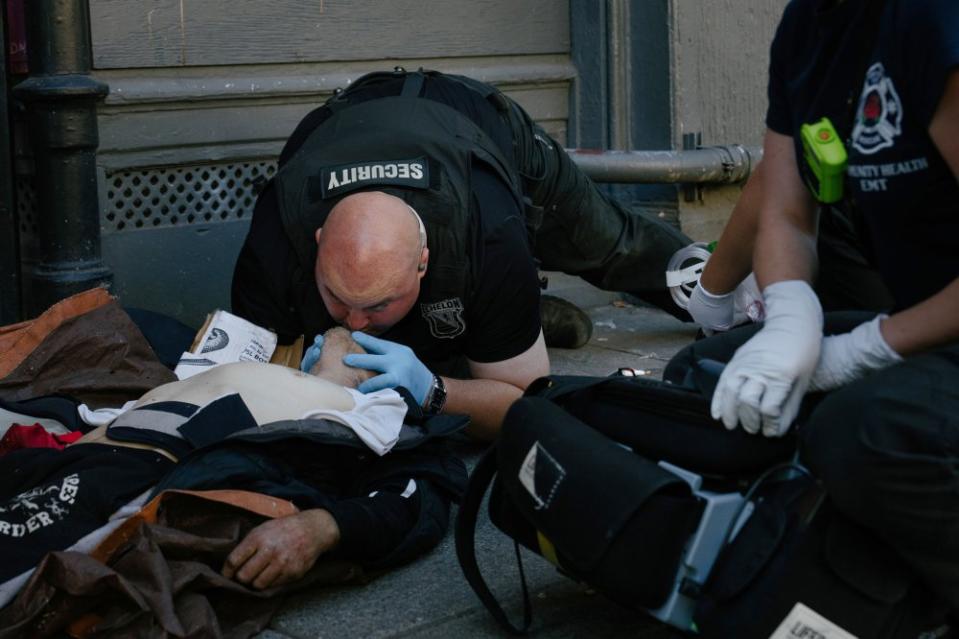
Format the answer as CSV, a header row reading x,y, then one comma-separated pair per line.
x,y
270,392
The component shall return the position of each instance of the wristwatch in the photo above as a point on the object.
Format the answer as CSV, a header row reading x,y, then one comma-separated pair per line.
x,y
436,398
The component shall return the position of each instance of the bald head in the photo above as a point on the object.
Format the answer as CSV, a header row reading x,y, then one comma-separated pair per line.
x,y
370,251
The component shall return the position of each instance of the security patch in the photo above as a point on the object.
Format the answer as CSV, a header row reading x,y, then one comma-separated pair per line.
x,y
338,180
445,318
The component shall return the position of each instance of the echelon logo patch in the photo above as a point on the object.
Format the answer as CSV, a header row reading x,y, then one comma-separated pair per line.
x,y
445,318
344,178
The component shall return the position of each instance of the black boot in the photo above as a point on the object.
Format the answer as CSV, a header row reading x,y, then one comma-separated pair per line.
x,y
565,325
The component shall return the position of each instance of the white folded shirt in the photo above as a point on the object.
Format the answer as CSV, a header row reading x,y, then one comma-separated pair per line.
x,y
376,418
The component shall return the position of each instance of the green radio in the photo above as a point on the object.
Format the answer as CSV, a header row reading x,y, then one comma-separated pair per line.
x,y
825,158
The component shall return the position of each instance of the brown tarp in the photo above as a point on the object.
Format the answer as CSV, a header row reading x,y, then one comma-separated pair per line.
x,y
159,575
18,340
98,357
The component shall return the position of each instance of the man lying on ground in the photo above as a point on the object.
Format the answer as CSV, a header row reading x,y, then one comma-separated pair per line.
x,y
362,506
373,509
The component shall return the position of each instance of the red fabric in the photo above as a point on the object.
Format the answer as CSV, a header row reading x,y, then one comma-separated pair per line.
x,y
34,436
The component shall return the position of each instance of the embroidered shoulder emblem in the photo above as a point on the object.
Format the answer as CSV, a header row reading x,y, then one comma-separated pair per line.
x,y
445,318
879,114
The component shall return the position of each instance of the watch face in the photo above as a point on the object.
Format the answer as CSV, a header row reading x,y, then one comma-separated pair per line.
x,y
437,398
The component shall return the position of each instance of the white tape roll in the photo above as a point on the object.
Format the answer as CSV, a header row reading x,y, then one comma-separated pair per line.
x,y
683,271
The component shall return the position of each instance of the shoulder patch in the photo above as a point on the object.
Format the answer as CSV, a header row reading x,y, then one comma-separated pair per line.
x,y
337,180
445,318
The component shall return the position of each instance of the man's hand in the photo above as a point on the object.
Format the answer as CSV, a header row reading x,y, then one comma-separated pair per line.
x,y
851,355
397,363
282,550
765,381
312,354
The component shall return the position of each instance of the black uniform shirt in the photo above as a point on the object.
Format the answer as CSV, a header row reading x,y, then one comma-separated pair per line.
x,y
903,188
501,314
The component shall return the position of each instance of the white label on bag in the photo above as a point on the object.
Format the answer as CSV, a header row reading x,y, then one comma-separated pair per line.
x,y
540,475
805,623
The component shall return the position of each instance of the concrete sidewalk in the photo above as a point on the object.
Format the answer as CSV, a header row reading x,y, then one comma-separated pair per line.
x,y
430,598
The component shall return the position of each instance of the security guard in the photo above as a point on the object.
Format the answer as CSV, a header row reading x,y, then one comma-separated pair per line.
x,y
414,207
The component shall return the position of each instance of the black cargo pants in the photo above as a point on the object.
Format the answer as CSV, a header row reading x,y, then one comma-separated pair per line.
x,y
578,230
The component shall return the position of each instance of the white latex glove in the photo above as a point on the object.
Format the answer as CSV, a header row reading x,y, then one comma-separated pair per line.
x,y
851,355
764,382
712,312
722,312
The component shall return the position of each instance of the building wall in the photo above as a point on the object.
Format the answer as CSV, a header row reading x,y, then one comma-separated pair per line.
x,y
720,59
204,94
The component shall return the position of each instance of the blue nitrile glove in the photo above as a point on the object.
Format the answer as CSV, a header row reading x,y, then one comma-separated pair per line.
x,y
397,363
312,354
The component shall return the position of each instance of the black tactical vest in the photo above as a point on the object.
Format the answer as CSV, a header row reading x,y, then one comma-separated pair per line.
x,y
414,148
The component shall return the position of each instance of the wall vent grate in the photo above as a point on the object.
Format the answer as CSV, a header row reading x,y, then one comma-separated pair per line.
x,y
182,195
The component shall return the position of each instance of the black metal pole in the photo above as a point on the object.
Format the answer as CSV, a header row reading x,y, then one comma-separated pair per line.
x,y
9,236
61,99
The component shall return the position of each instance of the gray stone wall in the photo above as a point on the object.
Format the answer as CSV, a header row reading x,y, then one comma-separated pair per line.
x,y
720,58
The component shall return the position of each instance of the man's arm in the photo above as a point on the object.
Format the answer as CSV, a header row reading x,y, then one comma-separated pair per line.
x,y
732,260
494,387
934,321
369,529
763,384
928,324
724,296
484,399
786,237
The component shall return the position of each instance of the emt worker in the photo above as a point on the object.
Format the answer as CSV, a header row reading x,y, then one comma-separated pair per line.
x,y
415,208
885,440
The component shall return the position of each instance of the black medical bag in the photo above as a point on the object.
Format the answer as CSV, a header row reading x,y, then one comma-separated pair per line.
x,y
628,485
569,486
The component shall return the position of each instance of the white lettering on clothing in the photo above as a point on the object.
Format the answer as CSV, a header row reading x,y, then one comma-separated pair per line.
x,y
399,170
867,186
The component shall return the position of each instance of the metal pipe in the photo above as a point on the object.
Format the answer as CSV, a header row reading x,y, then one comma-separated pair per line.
x,y
708,165
61,99
9,235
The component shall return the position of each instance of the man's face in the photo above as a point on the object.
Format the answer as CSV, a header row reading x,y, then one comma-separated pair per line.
x,y
370,309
